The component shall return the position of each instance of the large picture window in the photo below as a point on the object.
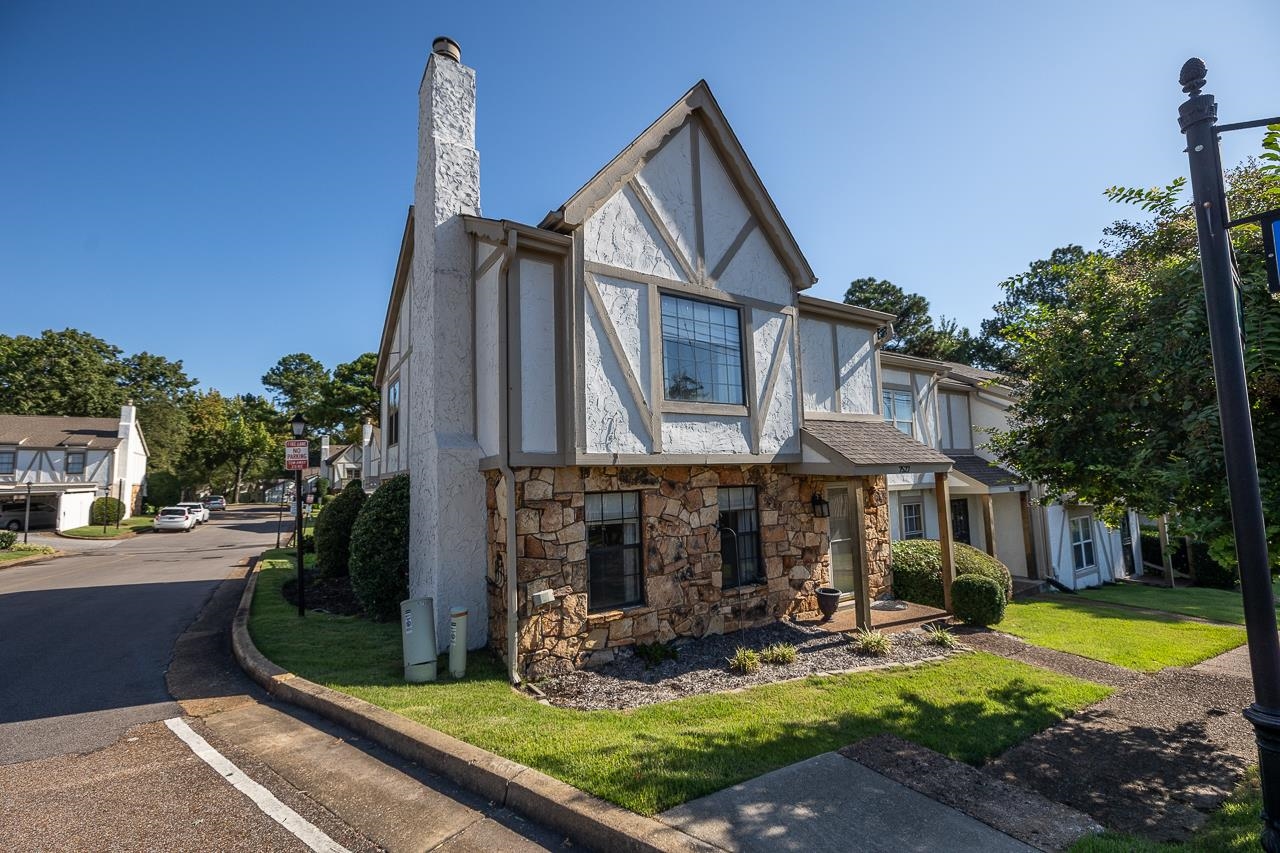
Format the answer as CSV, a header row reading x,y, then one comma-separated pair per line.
x,y
1082,543
913,521
614,577
393,413
739,536
701,352
899,410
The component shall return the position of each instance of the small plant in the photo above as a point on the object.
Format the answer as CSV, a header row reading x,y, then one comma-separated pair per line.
x,y
977,600
778,654
7,539
937,635
869,641
106,511
653,654
745,661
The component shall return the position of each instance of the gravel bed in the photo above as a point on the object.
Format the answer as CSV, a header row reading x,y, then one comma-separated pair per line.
x,y
701,667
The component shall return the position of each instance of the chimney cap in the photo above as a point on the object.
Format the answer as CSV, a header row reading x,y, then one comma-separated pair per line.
x,y
446,47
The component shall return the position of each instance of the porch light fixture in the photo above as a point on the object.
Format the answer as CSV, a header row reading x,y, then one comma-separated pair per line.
x,y
821,509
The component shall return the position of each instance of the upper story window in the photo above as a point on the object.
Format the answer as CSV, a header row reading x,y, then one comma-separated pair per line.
x,y
739,535
1082,543
393,413
899,410
75,461
701,352
953,421
614,577
8,461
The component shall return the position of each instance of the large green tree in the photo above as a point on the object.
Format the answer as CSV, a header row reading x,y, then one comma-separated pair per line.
x,y
1116,402
160,388
912,310
1044,284
60,373
350,396
297,383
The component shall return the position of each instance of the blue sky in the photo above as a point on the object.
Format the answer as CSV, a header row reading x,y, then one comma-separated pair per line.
x,y
226,183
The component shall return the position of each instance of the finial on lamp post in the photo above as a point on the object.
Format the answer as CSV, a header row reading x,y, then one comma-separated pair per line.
x,y
1192,76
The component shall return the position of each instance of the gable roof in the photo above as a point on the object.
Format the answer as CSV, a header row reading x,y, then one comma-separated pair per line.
x,y
398,284
987,473
337,450
59,431
698,104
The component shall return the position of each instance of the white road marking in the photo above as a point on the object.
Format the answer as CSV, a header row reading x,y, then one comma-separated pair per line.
x,y
306,831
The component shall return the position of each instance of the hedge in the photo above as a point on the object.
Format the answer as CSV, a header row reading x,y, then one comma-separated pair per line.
x,y
380,550
917,570
978,600
333,530
106,511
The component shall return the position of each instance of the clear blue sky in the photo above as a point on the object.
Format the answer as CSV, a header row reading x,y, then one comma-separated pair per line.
x,y
224,183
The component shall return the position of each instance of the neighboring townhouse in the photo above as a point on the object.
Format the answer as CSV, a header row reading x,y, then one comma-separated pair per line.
x,y
370,456
340,463
955,408
608,438
69,461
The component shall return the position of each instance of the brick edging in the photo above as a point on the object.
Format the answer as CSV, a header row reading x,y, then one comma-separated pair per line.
x,y
584,818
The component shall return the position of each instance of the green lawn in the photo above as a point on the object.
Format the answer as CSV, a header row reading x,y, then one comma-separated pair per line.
x,y
1141,641
1220,605
971,707
127,527
18,552
1234,828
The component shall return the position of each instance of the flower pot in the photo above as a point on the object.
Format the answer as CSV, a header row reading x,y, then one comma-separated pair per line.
x,y
828,601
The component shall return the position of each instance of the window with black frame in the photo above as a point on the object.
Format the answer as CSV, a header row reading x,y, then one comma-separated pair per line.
x,y
614,571
739,536
701,351
393,414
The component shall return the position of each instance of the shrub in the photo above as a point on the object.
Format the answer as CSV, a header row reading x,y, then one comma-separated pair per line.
x,y
778,654
869,641
1209,572
978,600
938,635
333,531
745,661
7,539
654,654
106,511
917,570
380,550
163,489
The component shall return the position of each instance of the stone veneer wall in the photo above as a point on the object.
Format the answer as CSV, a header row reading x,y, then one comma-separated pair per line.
x,y
681,557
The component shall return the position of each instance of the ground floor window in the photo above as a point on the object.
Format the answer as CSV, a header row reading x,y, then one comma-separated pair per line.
x,y
614,576
1082,543
739,536
960,520
913,521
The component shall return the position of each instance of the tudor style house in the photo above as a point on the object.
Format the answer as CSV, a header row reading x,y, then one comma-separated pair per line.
x,y
624,424
69,461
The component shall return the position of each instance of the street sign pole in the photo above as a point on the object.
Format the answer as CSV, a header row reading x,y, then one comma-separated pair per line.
x,y
295,459
1197,116
302,594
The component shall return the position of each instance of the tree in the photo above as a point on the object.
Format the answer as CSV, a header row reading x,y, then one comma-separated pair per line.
x,y
912,310
228,437
1044,284
1117,404
350,396
60,373
298,384
160,389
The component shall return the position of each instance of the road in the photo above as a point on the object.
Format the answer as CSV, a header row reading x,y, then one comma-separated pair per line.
x,y
125,724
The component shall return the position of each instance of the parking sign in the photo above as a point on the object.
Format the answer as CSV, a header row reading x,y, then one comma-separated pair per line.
x,y
295,454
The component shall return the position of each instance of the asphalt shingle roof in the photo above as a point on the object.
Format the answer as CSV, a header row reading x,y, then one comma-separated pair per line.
x,y
59,431
873,443
987,473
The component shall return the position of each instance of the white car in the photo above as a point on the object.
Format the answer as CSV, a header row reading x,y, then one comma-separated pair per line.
x,y
199,510
174,518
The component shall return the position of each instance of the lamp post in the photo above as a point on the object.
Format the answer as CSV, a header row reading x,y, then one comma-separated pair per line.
x,y
299,425
1197,117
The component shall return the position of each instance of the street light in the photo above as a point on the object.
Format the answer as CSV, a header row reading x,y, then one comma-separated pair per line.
x,y
1197,117
299,425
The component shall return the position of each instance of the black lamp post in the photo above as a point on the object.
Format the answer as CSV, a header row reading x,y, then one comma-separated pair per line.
x,y
1197,117
299,425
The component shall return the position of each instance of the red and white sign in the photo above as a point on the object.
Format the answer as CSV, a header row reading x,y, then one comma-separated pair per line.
x,y
295,454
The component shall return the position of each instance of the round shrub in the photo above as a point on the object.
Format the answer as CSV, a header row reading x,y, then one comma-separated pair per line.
x,y
977,600
333,530
917,570
106,511
7,539
380,550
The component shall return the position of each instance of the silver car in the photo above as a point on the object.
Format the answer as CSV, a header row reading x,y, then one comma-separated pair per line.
x,y
12,514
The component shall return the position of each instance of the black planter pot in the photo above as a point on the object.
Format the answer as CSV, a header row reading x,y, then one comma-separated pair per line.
x,y
828,601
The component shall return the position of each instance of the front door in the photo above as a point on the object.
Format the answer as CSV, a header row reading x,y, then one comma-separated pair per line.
x,y
960,520
843,541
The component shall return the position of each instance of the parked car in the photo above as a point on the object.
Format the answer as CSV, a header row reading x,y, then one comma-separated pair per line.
x,y
215,502
12,513
174,518
199,510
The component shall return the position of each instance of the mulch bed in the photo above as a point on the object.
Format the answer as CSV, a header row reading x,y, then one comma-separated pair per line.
x,y
324,595
701,667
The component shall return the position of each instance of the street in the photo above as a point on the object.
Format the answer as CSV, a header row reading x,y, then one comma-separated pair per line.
x,y
126,724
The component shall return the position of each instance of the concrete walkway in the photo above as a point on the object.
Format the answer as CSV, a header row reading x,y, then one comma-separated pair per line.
x,y
832,803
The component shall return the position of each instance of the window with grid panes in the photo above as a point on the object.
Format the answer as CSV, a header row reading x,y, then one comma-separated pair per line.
x,y
614,572
8,461
1082,543
739,536
899,410
913,521
701,351
75,462
393,414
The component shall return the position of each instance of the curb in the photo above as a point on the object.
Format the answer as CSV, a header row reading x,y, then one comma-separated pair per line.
x,y
587,820
34,558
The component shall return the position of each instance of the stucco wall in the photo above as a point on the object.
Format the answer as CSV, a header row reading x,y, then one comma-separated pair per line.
x,y
858,385
987,416
612,415
817,359
773,344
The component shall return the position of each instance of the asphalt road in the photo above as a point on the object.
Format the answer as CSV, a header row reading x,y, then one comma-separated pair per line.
x,y
99,648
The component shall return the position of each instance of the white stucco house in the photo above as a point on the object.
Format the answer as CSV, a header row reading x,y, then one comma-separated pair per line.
x,y
340,463
625,424
69,461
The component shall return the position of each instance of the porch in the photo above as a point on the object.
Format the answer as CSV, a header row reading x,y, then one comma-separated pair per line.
x,y
887,616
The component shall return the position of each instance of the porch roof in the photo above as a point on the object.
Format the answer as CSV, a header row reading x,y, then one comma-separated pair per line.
x,y
987,473
870,446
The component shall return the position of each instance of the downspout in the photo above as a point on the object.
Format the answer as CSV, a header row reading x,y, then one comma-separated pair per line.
x,y
509,561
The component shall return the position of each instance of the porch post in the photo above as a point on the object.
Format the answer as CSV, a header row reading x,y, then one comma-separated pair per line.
x,y
1165,557
988,523
1028,535
861,579
942,496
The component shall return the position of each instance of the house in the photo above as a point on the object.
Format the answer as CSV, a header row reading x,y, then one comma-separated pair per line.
x,y
340,463
603,416
69,461
370,455
954,408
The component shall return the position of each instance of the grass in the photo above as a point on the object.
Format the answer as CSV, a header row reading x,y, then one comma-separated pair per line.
x,y
128,527
1233,828
1141,641
18,552
1220,605
971,707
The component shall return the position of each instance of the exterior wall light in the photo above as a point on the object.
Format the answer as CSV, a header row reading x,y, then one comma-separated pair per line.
x,y
821,509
